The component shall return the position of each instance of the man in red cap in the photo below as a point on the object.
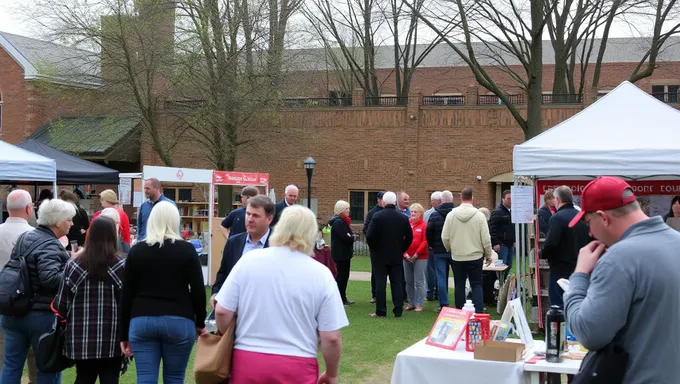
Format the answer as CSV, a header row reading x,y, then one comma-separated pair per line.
x,y
625,290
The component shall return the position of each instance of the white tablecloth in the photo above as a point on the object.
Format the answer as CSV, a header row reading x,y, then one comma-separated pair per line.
x,y
422,363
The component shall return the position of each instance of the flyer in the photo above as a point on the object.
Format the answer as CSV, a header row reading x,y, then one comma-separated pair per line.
x,y
448,328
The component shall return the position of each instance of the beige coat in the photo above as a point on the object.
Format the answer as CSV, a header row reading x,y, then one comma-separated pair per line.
x,y
466,234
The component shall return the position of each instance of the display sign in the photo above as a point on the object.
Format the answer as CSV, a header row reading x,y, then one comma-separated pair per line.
x,y
522,204
183,175
448,328
240,178
125,191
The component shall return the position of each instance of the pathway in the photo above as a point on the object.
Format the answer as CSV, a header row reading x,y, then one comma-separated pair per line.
x,y
366,276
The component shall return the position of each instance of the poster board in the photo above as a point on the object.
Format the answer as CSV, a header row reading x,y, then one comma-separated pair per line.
x,y
522,204
125,191
448,328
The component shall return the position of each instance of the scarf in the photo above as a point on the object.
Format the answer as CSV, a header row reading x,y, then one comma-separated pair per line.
x,y
347,220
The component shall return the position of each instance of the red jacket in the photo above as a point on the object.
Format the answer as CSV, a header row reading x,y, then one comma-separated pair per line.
x,y
124,224
419,243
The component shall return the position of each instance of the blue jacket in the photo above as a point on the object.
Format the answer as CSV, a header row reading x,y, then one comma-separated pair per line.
x,y
143,215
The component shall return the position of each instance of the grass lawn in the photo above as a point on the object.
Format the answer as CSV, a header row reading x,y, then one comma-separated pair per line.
x,y
360,263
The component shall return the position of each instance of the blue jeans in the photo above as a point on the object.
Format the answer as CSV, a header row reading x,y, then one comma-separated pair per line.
x,y
506,254
430,276
20,332
472,270
442,261
153,338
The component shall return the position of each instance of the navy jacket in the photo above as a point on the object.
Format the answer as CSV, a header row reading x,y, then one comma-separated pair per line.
x,y
231,254
433,233
389,235
562,244
278,209
342,240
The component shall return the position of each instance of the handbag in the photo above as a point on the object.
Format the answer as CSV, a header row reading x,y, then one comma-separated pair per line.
x,y
212,364
50,358
604,366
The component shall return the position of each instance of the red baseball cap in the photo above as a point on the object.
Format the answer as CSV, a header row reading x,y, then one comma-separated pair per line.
x,y
602,194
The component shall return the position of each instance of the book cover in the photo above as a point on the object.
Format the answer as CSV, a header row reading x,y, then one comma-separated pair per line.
x,y
448,328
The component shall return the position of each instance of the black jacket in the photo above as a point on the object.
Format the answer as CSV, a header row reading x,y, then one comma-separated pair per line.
x,y
434,227
278,209
342,240
562,244
231,254
501,228
544,215
369,217
80,221
45,264
389,235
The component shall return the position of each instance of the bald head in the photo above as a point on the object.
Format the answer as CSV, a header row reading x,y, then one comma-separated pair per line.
x,y
291,192
19,204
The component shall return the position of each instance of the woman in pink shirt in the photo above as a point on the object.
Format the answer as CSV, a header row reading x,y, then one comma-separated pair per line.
x,y
415,261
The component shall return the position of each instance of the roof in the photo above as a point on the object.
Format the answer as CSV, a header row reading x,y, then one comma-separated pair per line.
x,y
72,169
627,133
17,164
86,136
45,60
619,50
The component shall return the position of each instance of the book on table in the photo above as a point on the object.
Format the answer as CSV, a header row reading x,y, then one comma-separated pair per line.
x,y
448,328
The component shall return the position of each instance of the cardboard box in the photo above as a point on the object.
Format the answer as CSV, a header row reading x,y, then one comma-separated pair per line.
x,y
499,351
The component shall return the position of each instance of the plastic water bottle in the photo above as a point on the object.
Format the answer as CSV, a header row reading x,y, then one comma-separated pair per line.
x,y
468,307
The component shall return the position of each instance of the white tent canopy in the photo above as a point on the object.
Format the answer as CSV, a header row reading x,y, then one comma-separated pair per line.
x,y
17,164
626,133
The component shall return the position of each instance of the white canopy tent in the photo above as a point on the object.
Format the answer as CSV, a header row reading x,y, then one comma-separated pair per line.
x,y
17,164
627,133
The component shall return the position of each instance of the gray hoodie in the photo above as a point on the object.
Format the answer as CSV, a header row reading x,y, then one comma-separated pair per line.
x,y
466,234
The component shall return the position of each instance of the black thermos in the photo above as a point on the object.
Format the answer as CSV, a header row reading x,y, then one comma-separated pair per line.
x,y
554,334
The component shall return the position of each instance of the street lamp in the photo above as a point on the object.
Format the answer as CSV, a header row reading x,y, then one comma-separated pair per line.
x,y
309,164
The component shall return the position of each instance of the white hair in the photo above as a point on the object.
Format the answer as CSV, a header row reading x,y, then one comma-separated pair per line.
x,y
55,211
436,195
163,224
340,206
290,188
447,196
390,198
112,213
296,229
18,199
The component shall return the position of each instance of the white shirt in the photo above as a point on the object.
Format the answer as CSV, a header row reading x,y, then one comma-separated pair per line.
x,y
10,231
282,298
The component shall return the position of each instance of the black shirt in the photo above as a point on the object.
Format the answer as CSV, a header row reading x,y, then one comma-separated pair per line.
x,y
162,281
235,221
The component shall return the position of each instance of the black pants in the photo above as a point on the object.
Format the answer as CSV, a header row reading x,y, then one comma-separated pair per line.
x,y
108,370
372,277
394,272
342,278
462,271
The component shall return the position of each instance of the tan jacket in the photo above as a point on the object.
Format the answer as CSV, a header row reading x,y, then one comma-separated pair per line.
x,y
466,234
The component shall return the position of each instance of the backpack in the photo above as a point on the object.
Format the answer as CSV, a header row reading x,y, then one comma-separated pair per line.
x,y
16,295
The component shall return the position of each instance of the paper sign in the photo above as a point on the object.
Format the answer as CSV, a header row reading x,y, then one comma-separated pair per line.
x,y
124,191
448,328
521,323
522,204
138,199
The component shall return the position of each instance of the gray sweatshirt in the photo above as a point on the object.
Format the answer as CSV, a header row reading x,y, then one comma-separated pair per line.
x,y
634,291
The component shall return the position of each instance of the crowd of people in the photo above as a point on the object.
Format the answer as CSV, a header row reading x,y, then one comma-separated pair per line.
x,y
120,302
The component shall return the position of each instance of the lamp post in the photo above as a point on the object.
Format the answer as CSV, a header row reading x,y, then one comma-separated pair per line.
x,y
309,164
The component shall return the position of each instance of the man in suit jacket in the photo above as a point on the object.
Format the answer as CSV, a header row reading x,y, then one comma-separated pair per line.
x,y
389,236
291,195
259,215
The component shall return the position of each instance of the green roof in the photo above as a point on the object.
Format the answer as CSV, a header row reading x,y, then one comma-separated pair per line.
x,y
86,136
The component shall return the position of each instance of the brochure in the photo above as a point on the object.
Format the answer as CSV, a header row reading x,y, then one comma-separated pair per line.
x,y
448,328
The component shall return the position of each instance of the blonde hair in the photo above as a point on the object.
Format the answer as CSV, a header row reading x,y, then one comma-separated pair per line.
x,y
297,229
163,224
109,196
417,207
340,206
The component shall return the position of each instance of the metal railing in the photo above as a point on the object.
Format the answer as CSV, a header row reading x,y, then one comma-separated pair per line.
x,y
389,101
667,97
444,100
360,245
317,102
518,99
565,98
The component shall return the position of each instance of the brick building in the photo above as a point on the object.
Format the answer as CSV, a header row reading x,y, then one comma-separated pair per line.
x,y
449,132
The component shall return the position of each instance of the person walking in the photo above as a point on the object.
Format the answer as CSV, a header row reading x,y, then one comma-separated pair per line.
x,y
93,279
20,210
284,280
625,290
466,235
163,300
45,259
442,257
415,260
342,246
389,235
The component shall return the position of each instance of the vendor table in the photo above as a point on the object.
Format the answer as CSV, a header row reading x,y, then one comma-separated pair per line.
x,y
422,363
500,272
533,371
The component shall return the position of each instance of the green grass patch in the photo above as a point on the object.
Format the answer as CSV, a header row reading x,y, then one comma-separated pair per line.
x,y
360,263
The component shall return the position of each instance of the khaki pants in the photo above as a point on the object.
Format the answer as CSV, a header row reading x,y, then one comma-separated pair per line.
x,y
32,370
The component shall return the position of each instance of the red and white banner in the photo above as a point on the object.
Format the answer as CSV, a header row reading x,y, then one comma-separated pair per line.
x,y
640,188
240,178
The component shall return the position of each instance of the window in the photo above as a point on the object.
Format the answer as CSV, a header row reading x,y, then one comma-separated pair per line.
x,y
360,202
445,98
666,93
184,194
170,193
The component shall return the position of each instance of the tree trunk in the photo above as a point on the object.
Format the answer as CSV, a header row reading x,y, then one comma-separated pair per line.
x,y
534,121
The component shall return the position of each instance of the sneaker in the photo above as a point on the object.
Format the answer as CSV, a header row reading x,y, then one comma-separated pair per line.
x,y
373,300
348,302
